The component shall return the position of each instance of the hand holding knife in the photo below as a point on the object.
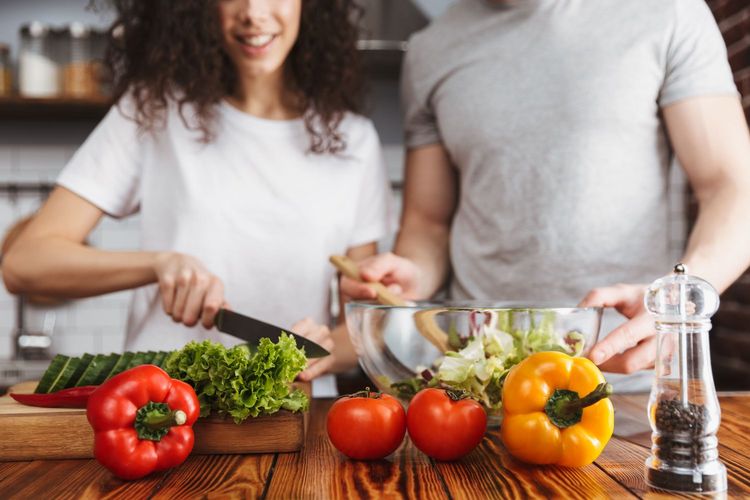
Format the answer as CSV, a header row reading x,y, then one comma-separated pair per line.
x,y
251,330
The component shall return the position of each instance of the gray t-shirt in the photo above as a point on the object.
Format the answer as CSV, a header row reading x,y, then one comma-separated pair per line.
x,y
549,110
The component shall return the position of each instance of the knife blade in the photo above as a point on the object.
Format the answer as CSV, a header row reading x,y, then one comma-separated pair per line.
x,y
251,330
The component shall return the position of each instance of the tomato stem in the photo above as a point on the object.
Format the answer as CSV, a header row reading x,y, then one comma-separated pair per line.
x,y
456,394
366,393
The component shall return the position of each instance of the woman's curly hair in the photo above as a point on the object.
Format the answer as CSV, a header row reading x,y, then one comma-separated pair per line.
x,y
162,50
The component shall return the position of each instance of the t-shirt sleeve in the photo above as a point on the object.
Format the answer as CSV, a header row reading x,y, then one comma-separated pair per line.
x,y
106,169
696,56
373,219
420,125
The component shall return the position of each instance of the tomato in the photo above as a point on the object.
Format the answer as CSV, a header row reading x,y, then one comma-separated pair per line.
x,y
443,426
366,425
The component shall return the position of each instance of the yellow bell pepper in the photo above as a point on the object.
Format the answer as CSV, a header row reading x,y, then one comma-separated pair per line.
x,y
545,421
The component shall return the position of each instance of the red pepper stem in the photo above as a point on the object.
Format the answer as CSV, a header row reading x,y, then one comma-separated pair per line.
x,y
153,420
166,420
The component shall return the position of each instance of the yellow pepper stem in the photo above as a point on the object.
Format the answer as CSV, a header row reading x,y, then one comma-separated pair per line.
x,y
565,408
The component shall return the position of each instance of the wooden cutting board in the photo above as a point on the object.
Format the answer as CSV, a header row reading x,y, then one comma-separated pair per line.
x,y
30,433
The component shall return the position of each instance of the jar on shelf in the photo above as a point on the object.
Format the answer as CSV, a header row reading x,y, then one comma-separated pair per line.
x,y
38,69
80,70
6,81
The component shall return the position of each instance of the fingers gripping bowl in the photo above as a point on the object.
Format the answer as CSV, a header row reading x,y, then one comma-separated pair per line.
x,y
471,346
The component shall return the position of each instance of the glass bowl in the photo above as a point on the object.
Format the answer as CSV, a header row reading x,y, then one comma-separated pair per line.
x,y
398,344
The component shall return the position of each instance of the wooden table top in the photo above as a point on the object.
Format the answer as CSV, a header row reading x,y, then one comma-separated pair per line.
x,y
319,471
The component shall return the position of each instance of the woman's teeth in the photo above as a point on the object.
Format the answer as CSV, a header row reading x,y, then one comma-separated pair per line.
x,y
256,40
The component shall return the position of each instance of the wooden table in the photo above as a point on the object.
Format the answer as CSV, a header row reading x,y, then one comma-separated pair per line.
x,y
321,472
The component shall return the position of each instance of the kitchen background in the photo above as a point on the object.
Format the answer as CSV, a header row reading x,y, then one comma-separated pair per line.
x,y
38,138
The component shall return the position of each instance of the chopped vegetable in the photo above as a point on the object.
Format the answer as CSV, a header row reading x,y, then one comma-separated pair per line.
x,y
65,372
482,359
241,382
142,421
74,397
556,410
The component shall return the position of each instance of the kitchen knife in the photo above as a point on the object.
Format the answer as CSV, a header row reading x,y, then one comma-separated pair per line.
x,y
252,330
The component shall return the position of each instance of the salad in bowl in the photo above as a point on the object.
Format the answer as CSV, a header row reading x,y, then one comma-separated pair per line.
x,y
468,346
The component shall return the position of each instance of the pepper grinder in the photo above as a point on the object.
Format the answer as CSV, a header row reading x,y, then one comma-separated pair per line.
x,y
683,408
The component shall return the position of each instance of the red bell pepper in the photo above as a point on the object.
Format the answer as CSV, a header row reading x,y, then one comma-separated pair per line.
x,y
75,397
142,421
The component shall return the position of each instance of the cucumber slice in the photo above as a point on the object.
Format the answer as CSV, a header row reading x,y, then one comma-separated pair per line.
x,y
109,362
122,363
137,360
85,360
159,359
50,376
90,373
66,374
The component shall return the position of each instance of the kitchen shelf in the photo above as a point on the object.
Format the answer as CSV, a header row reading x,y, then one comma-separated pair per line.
x,y
58,109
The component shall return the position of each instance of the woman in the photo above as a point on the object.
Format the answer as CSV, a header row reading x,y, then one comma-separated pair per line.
x,y
236,138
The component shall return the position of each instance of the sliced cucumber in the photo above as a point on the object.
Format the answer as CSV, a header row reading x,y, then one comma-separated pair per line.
x,y
109,362
66,374
137,360
50,376
159,359
66,371
85,361
122,363
92,371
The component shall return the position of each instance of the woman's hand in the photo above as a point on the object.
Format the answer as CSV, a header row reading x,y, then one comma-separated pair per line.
x,y
631,346
189,292
399,274
321,335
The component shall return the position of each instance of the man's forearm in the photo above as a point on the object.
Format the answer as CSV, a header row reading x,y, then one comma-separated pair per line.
x,y
718,249
426,246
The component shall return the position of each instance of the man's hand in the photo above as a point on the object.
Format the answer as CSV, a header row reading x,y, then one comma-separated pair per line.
x,y
399,274
631,346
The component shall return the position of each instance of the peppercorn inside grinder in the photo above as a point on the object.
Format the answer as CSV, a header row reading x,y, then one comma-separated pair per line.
x,y
683,408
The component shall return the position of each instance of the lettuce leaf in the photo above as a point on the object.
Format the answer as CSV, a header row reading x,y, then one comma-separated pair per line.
x,y
240,381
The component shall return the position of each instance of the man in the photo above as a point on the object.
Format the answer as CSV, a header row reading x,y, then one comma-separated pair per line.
x,y
540,135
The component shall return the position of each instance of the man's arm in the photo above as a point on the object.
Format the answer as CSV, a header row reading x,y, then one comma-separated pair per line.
x,y
419,265
710,138
430,197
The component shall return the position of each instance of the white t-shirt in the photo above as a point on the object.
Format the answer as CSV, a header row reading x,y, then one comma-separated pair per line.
x,y
254,206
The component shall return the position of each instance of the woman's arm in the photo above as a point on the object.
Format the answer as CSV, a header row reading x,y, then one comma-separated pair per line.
x,y
50,257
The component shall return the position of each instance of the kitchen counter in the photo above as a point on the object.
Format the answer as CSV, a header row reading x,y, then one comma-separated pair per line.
x,y
321,472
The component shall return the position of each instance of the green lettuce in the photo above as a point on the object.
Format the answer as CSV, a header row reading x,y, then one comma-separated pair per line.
x,y
241,381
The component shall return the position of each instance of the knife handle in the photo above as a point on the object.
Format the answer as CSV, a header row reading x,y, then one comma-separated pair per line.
x,y
349,269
